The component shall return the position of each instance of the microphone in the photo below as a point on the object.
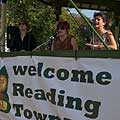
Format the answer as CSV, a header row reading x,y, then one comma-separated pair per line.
x,y
53,36
48,42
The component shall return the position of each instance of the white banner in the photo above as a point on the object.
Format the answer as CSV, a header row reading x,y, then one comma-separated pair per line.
x,y
59,88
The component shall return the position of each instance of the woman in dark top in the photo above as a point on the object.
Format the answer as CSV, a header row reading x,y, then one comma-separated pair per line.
x,y
24,40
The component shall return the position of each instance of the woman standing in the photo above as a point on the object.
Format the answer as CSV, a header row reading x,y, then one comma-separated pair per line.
x,y
24,40
63,40
101,24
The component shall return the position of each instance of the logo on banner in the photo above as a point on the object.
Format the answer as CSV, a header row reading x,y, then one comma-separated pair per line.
x,y
4,99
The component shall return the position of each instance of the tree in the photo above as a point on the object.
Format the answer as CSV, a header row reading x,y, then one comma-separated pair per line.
x,y
41,17
75,22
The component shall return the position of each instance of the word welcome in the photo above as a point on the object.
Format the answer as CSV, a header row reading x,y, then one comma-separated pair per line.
x,y
102,78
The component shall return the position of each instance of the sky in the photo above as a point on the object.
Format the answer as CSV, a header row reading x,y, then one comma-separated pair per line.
x,y
87,13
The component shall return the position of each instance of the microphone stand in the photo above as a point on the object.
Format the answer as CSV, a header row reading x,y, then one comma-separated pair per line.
x,y
48,42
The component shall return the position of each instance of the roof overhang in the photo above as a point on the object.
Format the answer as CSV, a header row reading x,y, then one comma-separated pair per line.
x,y
102,5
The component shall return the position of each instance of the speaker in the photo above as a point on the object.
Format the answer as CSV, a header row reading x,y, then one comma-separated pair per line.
x,y
11,32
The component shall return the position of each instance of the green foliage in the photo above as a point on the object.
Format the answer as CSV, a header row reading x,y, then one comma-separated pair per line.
x,y
41,18
75,22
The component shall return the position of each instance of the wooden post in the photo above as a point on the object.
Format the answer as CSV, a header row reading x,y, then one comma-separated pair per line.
x,y
3,25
